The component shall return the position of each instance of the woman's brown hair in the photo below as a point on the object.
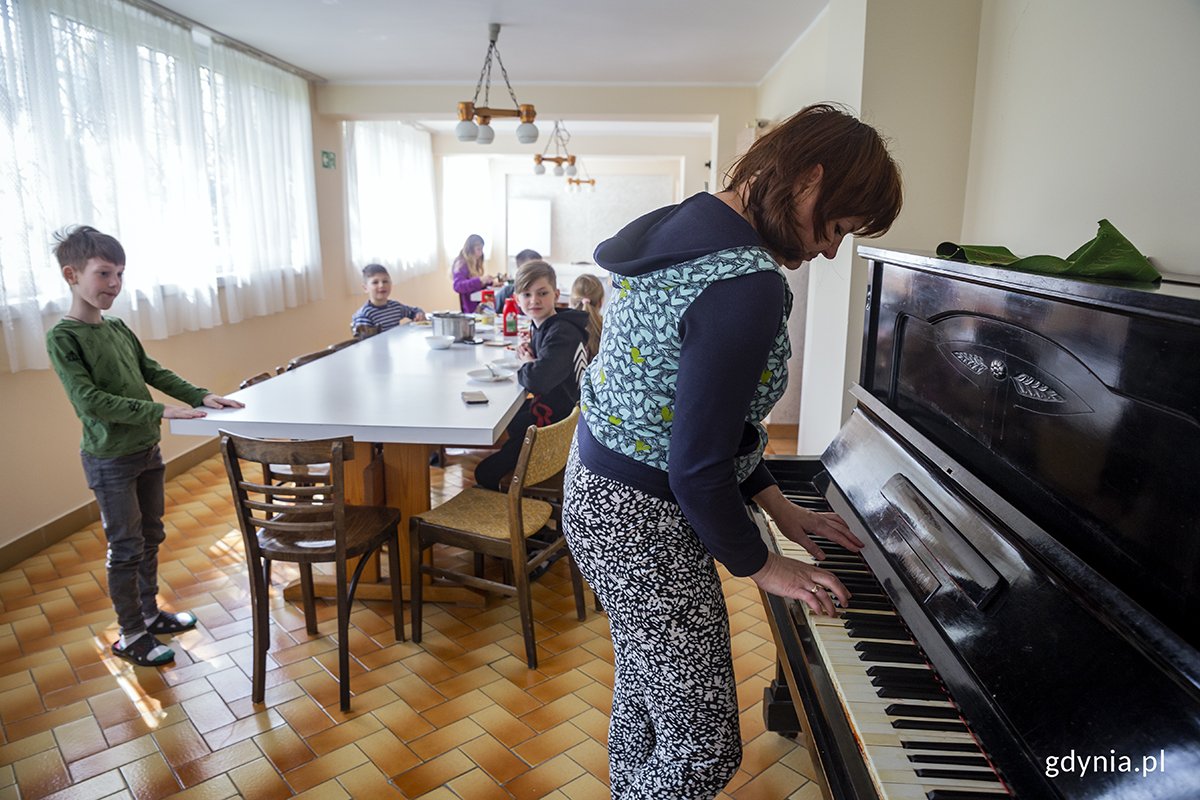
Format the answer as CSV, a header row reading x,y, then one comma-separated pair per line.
x,y
859,178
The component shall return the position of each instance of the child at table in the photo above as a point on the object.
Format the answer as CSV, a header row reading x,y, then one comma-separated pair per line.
x,y
380,313
504,292
552,363
105,371
587,294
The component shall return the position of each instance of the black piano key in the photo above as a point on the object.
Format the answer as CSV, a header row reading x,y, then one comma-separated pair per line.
x,y
868,617
958,775
876,632
911,693
869,604
960,761
909,710
884,682
959,794
889,653
902,674
928,725
954,747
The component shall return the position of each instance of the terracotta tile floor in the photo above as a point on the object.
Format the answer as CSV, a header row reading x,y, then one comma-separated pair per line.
x,y
459,716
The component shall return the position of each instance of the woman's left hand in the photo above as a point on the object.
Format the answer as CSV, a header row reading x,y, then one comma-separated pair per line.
x,y
798,524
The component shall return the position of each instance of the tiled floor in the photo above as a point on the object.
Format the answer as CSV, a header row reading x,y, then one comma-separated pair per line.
x,y
459,716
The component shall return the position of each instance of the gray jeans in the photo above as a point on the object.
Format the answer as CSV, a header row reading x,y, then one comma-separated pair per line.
x,y
129,491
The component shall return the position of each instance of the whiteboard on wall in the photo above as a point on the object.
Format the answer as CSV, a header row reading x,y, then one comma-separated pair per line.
x,y
529,225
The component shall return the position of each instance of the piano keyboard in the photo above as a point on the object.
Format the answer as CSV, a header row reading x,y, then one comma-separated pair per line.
x,y
914,742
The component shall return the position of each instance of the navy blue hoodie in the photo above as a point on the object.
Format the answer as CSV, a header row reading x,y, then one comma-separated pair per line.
x,y
725,337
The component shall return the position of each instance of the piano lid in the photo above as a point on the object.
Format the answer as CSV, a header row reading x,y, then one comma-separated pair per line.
x,y
1077,401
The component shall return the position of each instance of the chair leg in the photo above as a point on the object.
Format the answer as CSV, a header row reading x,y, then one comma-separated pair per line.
x,y
393,548
261,632
414,579
576,586
478,565
310,603
343,634
525,604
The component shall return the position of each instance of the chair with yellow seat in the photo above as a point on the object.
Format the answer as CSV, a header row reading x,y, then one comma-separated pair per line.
x,y
499,524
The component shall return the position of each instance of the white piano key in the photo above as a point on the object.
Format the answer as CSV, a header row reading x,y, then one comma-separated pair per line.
x,y
893,774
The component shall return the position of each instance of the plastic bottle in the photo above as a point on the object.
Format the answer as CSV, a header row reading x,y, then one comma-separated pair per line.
x,y
510,317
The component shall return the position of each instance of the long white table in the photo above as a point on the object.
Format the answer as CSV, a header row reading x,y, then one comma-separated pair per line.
x,y
390,389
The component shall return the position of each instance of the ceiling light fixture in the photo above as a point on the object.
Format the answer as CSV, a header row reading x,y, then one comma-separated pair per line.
x,y
559,138
480,130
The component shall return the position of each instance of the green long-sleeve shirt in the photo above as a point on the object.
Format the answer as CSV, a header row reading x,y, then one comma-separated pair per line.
x,y
105,371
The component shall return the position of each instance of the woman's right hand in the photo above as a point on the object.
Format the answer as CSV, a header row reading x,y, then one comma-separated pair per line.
x,y
787,577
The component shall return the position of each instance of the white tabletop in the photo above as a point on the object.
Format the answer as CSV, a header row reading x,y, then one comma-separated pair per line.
x,y
388,388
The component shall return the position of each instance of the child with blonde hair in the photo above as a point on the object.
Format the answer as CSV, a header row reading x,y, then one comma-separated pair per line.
x,y
587,295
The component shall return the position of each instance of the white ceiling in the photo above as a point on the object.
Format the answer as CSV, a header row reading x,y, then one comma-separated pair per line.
x,y
709,42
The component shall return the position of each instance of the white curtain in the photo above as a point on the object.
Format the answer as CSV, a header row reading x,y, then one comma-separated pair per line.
x,y
466,203
260,153
390,194
113,117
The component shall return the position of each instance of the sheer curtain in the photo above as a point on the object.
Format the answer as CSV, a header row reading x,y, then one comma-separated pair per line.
x,y
389,191
112,117
260,156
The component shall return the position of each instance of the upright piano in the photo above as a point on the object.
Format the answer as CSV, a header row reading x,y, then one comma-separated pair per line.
x,y
1023,466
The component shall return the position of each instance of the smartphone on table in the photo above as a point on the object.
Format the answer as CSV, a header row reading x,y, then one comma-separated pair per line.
x,y
474,398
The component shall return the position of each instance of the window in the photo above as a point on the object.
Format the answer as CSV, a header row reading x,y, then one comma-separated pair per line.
x,y
389,191
198,158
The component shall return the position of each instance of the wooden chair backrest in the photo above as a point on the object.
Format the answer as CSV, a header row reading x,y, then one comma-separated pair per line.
x,y
543,454
313,510
253,379
307,358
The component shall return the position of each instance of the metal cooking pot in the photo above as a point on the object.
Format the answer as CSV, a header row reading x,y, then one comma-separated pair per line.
x,y
449,323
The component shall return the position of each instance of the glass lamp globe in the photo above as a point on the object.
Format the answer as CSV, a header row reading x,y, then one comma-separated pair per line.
x,y
571,170
486,134
558,170
466,130
527,133
539,169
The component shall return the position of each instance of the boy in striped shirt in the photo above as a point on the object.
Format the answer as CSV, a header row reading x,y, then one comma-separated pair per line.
x,y
379,312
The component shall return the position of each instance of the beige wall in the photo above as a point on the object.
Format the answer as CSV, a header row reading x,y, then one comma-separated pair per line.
x,y
1087,109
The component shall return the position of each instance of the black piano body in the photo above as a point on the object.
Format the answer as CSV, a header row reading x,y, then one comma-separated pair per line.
x,y
1021,463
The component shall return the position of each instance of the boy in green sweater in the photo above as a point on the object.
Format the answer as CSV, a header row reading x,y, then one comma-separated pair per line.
x,y
105,371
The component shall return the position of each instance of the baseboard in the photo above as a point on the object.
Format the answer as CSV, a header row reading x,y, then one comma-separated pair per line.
x,y
54,531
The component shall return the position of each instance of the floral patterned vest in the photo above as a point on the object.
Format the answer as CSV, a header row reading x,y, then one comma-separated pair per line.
x,y
628,392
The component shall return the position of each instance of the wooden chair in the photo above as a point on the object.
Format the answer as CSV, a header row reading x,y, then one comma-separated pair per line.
x,y
364,331
307,524
498,524
342,345
255,379
307,358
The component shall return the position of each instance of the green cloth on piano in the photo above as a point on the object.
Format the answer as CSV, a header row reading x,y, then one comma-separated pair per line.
x,y
1109,256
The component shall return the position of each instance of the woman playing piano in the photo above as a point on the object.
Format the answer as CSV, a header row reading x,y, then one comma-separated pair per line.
x,y
693,356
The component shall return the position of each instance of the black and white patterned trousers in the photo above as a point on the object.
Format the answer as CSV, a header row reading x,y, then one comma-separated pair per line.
x,y
674,731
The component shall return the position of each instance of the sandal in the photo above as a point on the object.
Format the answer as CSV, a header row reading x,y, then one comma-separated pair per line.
x,y
140,649
172,623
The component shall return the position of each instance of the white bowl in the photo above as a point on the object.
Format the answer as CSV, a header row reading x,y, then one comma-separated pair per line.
x,y
439,342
